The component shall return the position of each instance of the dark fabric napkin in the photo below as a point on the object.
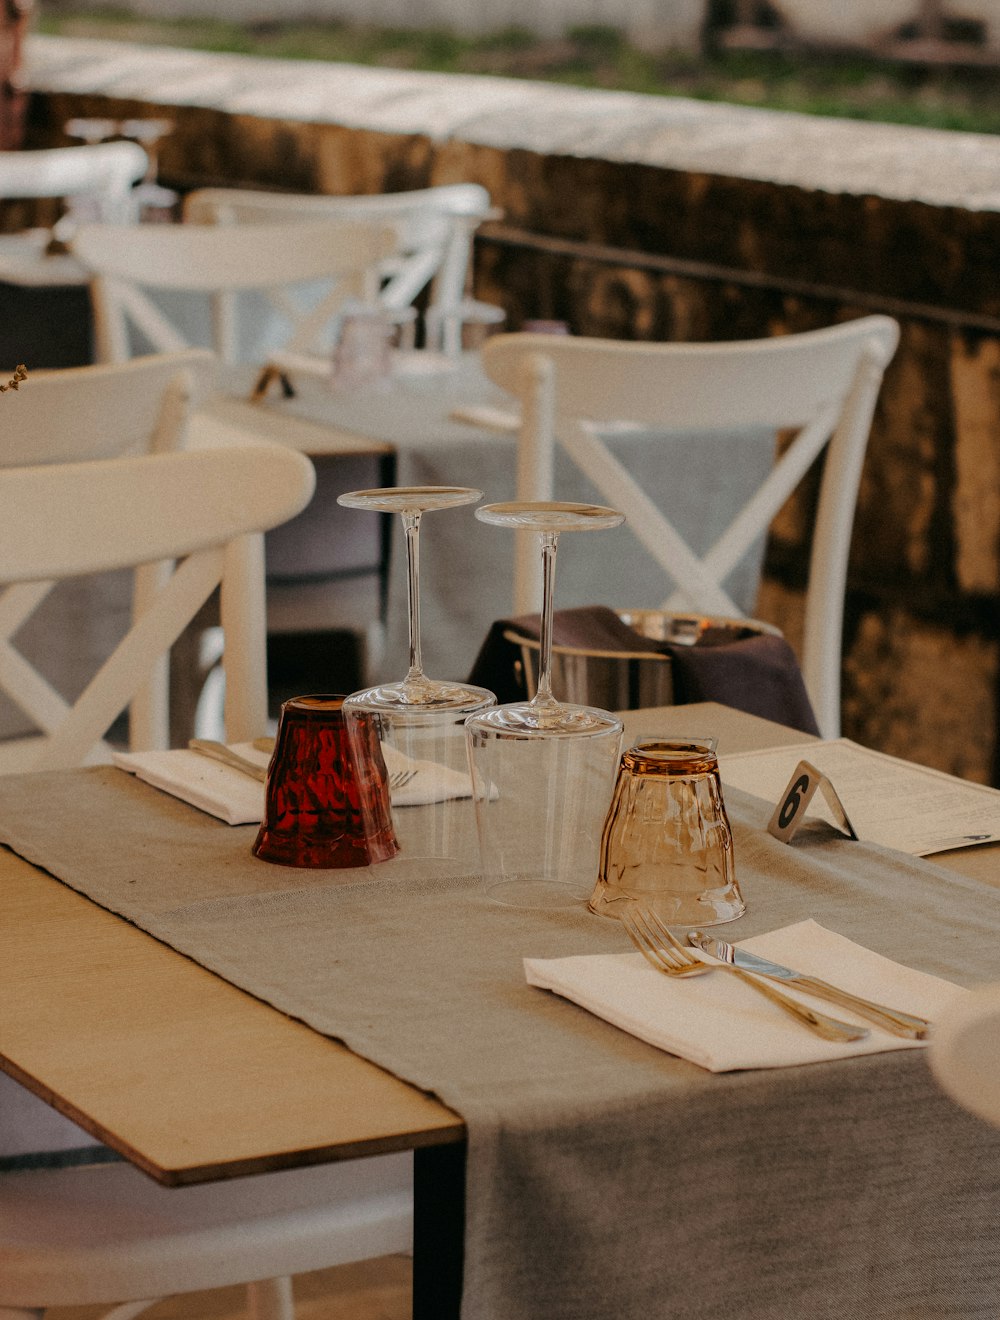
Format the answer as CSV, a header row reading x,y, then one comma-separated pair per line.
x,y
750,671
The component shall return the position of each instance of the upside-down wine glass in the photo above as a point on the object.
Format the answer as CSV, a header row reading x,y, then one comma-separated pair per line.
x,y
420,721
543,769
416,689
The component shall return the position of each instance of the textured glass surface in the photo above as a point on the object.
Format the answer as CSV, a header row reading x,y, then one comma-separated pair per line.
x,y
324,807
667,841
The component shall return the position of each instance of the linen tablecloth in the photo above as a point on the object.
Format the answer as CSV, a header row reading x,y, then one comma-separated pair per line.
x,y
606,1179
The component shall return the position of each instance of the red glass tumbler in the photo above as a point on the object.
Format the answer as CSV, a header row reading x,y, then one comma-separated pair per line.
x,y
326,804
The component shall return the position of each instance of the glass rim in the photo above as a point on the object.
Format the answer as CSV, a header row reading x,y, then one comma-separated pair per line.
x,y
667,745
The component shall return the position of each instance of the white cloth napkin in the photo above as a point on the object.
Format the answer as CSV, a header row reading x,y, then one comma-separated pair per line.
x,y
431,782
228,794
721,1024
238,799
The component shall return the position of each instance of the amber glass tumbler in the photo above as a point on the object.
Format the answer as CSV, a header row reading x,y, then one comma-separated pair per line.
x,y
667,842
325,805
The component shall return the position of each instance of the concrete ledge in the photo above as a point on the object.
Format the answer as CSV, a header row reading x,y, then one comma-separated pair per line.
x,y
829,155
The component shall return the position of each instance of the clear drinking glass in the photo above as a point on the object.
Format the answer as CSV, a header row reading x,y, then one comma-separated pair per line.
x,y
543,769
420,721
667,842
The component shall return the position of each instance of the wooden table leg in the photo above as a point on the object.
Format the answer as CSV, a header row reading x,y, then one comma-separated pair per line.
x,y
438,1231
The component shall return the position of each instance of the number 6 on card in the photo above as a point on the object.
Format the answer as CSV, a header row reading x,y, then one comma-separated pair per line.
x,y
794,802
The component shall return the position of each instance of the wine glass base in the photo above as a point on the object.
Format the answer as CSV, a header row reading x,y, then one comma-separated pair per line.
x,y
529,719
424,696
528,892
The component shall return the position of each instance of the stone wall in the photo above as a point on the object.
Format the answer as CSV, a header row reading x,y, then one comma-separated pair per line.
x,y
656,218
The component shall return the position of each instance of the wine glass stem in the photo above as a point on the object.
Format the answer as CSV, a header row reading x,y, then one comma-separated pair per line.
x,y
543,691
411,531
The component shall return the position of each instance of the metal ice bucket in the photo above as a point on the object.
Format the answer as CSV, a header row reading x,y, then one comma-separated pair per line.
x,y
625,680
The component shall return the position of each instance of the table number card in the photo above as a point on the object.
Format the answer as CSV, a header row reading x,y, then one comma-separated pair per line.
x,y
794,803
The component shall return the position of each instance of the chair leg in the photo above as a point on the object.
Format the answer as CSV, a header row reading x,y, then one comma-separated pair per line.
x,y
271,1299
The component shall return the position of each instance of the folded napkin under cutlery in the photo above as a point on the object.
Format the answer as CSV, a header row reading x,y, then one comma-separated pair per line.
x,y
751,671
429,782
720,1024
238,799
223,792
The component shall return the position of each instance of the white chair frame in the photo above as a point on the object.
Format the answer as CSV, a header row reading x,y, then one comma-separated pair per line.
x,y
105,1234
77,414
72,414
208,508
126,262
823,384
434,230
104,173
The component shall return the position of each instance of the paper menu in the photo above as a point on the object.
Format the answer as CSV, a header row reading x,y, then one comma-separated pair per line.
x,y
890,801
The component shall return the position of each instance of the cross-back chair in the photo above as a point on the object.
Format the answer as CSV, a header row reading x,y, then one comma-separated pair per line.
x,y
282,267
207,508
434,230
821,384
77,414
104,1233
130,265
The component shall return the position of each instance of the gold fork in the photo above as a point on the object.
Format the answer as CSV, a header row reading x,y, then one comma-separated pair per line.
x,y
656,944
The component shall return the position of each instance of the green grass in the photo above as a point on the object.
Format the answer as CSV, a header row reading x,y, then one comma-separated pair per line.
x,y
854,88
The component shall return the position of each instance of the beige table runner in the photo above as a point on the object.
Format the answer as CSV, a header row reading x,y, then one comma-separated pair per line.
x,y
607,1180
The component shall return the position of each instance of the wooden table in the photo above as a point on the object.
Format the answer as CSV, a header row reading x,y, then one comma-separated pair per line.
x,y
154,1055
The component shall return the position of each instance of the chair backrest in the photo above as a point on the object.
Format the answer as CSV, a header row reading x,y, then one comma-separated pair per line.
x,y
129,262
108,411
208,509
434,230
104,173
78,414
820,384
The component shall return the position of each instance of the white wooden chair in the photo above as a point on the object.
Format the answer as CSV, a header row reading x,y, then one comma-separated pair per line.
x,y
96,181
107,411
74,415
128,263
104,1233
108,1235
964,1054
70,519
134,268
434,230
822,384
